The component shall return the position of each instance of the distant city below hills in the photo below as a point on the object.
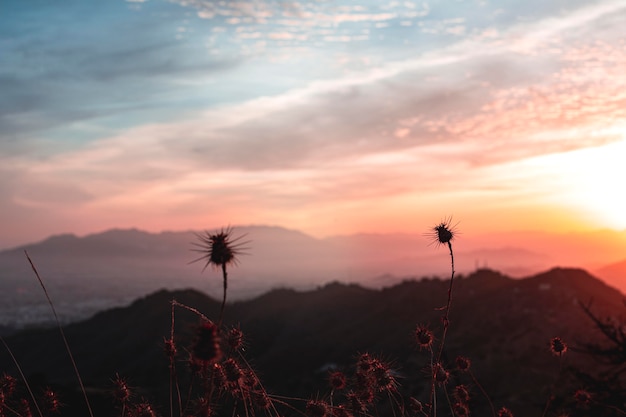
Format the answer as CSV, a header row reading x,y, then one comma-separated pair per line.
x,y
88,274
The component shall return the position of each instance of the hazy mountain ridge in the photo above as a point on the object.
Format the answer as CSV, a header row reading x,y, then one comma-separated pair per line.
x,y
101,270
497,321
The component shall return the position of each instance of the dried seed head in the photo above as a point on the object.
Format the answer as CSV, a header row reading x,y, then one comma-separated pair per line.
x,y
235,338
442,233
461,393
416,406
206,346
143,409
557,346
316,408
424,337
356,404
462,363
51,401
341,411
440,374
337,380
383,379
219,248
460,410
7,385
504,412
202,408
170,348
261,400
24,408
233,371
121,392
582,397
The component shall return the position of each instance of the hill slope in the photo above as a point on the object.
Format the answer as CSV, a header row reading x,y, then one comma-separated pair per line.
x,y
293,336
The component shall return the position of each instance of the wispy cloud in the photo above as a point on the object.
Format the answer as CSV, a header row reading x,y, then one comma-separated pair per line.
x,y
258,110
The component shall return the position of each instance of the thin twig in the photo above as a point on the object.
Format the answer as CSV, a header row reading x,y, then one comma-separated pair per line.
x,y
19,369
67,346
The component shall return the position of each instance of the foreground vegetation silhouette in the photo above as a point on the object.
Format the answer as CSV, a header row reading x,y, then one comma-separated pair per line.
x,y
210,374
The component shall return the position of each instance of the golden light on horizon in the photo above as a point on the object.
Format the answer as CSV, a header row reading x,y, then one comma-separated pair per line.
x,y
590,180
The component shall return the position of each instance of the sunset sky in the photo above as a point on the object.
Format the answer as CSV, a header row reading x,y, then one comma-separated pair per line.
x,y
330,117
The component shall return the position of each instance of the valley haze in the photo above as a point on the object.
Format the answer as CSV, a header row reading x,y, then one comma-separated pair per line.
x,y
88,274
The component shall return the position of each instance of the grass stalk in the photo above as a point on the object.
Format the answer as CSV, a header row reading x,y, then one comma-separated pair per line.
x,y
67,346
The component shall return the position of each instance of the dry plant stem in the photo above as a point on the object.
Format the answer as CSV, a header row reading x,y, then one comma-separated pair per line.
x,y
67,346
433,395
480,387
173,375
193,310
446,317
553,387
225,274
19,369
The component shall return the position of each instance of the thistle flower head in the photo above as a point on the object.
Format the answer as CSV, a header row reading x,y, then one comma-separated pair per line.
x,y
558,346
219,248
337,380
442,233
440,374
206,345
504,412
463,363
121,391
424,337
582,397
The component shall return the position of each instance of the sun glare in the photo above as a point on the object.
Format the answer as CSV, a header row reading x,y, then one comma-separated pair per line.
x,y
592,180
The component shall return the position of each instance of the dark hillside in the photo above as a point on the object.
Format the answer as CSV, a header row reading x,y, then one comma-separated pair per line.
x,y
503,325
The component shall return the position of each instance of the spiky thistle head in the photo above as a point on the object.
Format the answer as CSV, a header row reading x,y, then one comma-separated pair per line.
x,y
219,248
443,232
558,346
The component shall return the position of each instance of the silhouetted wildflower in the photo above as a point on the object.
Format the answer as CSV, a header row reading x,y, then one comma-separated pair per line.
x,y
206,345
337,380
424,337
219,248
232,371
143,409
50,401
582,397
440,374
202,408
460,410
442,233
557,346
461,393
261,400
356,404
170,348
462,363
7,385
121,392
235,338
341,411
24,408
416,406
504,412
316,408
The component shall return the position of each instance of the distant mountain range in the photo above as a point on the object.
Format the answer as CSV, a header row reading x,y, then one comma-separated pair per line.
x,y
503,325
91,273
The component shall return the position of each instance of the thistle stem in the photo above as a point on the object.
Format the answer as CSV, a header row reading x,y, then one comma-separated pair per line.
x,y
446,320
225,274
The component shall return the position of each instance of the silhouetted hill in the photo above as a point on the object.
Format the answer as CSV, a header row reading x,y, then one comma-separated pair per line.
x,y
292,336
108,269
614,273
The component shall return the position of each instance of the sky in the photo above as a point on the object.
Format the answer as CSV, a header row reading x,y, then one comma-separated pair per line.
x,y
330,117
